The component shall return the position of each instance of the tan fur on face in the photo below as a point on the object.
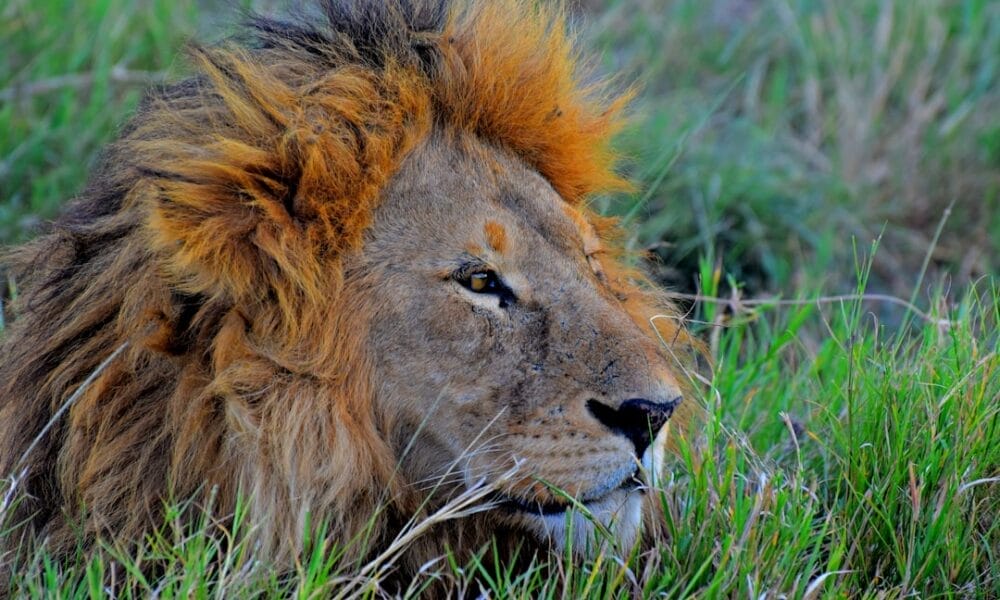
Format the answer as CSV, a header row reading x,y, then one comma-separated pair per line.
x,y
270,243
485,387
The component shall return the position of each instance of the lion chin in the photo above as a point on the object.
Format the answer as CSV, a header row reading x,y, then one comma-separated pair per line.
x,y
616,515
348,269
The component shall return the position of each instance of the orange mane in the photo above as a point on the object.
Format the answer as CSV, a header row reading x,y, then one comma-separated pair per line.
x,y
300,147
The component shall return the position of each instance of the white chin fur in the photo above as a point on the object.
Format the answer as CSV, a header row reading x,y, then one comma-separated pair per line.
x,y
620,512
654,456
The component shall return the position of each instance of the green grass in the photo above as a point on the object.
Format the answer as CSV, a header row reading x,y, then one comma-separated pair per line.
x,y
847,449
773,132
862,464
70,73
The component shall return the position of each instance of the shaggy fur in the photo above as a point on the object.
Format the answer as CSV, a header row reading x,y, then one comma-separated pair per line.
x,y
222,243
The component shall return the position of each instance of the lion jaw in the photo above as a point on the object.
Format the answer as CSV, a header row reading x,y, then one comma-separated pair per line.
x,y
611,522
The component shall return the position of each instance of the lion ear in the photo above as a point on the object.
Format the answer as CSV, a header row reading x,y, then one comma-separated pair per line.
x,y
258,184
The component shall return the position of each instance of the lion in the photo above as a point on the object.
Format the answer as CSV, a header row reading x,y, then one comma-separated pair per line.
x,y
348,269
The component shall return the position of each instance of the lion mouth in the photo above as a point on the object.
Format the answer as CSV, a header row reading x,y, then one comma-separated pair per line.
x,y
630,484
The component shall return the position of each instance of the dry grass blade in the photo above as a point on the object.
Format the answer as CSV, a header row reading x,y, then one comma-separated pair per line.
x,y
70,401
813,590
473,500
15,478
736,303
117,74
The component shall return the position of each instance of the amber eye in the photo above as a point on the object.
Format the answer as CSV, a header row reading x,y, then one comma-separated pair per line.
x,y
479,279
483,282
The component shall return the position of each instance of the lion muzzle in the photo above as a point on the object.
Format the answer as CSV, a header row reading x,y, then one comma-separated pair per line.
x,y
637,419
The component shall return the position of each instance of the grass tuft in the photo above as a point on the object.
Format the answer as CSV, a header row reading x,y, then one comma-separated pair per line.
x,y
864,464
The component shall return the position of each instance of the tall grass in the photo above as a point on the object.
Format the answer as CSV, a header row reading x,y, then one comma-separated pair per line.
x,y
70,73
865,464
803,124
838,456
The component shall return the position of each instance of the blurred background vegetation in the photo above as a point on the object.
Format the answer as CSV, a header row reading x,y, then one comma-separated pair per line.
x,y
770,137
773,133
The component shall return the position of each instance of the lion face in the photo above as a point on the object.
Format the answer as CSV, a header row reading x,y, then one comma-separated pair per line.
x,y
499,343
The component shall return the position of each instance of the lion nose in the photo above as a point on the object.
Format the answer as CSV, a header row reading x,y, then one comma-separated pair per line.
x,y
637,419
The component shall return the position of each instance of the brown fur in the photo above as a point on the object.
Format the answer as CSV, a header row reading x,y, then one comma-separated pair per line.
x,y
275,240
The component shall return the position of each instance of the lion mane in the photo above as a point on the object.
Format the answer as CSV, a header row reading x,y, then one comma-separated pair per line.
x,y
205,253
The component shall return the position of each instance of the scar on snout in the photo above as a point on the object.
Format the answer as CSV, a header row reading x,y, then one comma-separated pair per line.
x,y
496,236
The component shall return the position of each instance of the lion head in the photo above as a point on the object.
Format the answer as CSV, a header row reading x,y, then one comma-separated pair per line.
x,y
347,269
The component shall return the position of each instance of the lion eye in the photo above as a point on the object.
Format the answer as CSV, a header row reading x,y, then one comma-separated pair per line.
x,y
478,282
484,282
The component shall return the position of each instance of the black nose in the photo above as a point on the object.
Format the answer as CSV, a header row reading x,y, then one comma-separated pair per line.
x,y
637,419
